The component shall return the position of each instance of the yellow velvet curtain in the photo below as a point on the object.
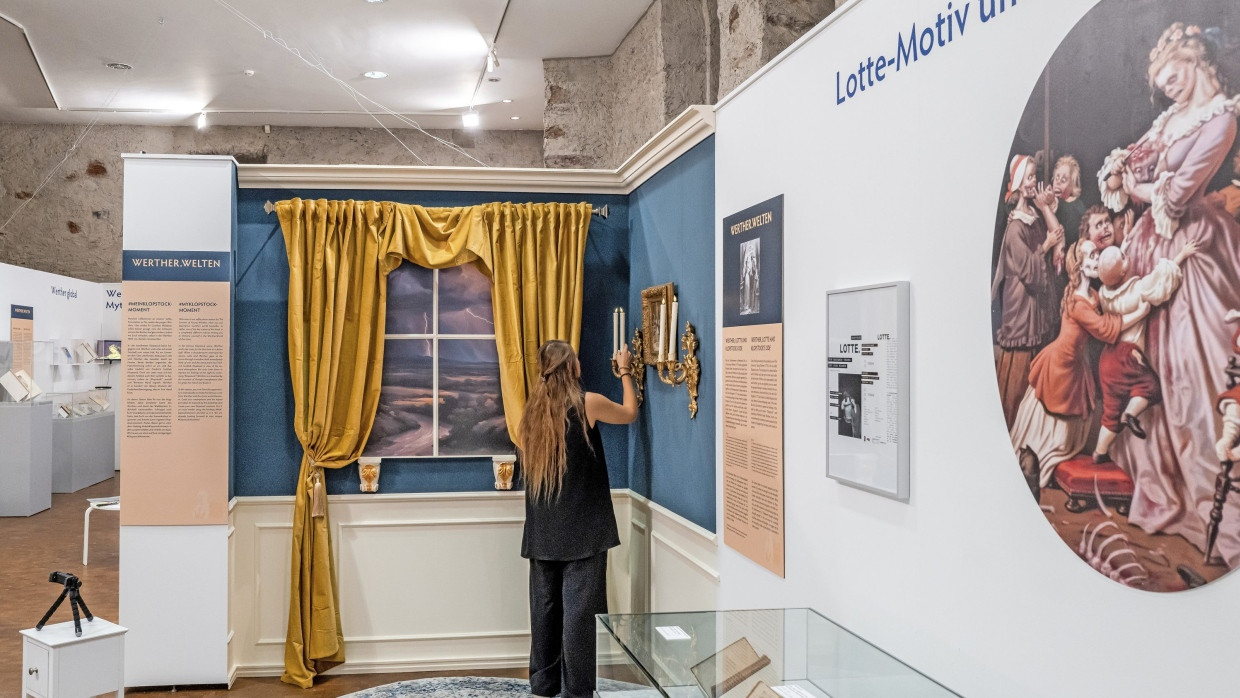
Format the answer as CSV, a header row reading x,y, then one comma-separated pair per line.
x,y
340,253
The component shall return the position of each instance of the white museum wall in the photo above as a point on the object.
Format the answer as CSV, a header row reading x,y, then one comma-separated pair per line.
x,y
175,203
966,582
64,308
110,372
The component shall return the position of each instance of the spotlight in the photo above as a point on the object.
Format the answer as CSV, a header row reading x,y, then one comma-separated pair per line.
x,y
469,119
202,120
492,60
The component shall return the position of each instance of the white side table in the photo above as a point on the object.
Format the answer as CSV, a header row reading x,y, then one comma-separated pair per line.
x,y
58,664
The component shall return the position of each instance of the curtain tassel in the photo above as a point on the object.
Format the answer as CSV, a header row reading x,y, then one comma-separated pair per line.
x,y
318,497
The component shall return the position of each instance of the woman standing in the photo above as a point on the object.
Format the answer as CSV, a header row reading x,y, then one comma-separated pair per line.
x,y
1169,169
569,521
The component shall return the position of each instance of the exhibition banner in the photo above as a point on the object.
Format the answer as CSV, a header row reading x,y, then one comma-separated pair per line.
x,y
753,357
21,335
176,329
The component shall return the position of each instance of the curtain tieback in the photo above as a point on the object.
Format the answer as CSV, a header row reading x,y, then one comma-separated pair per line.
x,y
318,497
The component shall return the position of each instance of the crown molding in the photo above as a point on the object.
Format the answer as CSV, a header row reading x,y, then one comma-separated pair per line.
x,y
688,129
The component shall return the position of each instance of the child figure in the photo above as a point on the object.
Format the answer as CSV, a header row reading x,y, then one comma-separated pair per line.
x,y
1128,383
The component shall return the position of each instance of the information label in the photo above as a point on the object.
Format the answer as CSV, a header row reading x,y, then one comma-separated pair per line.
x,y
176,332
21,334
753,384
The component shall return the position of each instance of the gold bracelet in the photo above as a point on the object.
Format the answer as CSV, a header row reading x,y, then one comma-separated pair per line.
x,y
630,373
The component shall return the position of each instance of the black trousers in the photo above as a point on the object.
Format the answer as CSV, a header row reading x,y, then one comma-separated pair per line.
x,y
564,598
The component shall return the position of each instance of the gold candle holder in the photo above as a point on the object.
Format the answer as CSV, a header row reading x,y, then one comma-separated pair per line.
x,y
637,366
686,370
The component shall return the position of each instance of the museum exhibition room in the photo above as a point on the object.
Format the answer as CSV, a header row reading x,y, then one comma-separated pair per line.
x,y
624,348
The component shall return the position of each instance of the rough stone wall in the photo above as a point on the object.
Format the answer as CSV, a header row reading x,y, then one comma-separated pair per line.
x,y
637,84
682,52
752,32
787,20
600,110
740,41
576,113
73,227
687,55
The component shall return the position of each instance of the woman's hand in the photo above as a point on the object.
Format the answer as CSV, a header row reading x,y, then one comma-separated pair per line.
x,y
1142,192
623,358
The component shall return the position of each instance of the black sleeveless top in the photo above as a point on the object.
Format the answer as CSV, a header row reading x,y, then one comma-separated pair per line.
x,y
579,522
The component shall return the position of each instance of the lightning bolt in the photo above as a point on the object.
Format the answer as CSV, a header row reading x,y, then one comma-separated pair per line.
x,y
471,313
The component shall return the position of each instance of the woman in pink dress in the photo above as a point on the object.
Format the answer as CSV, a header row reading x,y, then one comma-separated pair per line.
x,y
1168,171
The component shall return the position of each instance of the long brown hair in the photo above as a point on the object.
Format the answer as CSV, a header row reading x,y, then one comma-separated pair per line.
x,y
555,394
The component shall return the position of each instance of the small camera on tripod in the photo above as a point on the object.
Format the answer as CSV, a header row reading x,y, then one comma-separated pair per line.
x,y
72,589
66,579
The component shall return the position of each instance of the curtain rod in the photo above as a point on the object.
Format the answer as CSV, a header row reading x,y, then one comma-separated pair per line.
x,y
600,212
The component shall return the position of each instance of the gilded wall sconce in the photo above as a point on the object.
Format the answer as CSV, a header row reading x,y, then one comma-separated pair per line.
x,y
660,312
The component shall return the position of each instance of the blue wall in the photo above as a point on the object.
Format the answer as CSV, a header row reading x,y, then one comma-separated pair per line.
x,y
671,229
663,231
267,455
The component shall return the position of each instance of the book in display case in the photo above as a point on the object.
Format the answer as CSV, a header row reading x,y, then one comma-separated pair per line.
x,y
768,653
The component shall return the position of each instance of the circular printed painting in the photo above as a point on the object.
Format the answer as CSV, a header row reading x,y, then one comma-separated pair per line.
x,y
1116,292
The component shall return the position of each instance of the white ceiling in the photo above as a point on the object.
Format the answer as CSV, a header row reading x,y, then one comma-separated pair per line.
x,y
191,55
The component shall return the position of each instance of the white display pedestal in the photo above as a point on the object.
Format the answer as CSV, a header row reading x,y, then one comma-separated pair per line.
x,y
83,451
25,458
58,664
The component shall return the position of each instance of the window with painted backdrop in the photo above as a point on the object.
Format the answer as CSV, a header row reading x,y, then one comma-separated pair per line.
x,y
440,394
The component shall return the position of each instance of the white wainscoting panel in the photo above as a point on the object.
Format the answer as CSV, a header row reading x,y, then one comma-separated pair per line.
x,y
427,581
684,572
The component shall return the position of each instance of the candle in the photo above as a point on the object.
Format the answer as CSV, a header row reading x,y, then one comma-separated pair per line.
x,y
623,330
615,330
672,341
661,349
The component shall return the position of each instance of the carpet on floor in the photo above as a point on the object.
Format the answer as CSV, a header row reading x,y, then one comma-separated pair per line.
x,y
477,687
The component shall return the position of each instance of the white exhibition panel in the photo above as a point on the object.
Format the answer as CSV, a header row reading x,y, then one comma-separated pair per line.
x,y
175,604
64,308
175,580
172,202
966,582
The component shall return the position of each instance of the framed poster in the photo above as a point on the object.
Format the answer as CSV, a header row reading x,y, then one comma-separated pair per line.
x,y
868,388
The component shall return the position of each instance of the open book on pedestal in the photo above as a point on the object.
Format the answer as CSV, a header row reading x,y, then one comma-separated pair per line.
x,y
728,668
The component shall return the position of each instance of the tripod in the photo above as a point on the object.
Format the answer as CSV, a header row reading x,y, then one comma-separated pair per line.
x,y
72,590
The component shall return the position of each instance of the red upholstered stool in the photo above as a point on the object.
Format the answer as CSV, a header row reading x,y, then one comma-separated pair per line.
x,y
1077,477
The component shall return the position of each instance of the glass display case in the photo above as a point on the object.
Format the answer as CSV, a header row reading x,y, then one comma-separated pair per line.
x,y
772,653
82,403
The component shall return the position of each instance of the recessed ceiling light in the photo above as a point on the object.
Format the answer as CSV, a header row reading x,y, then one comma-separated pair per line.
x,y
376,0
492,79
506,101
514,118
120,66
375,74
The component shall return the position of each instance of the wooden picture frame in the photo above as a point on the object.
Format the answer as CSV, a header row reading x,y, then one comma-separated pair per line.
x,y
652,298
